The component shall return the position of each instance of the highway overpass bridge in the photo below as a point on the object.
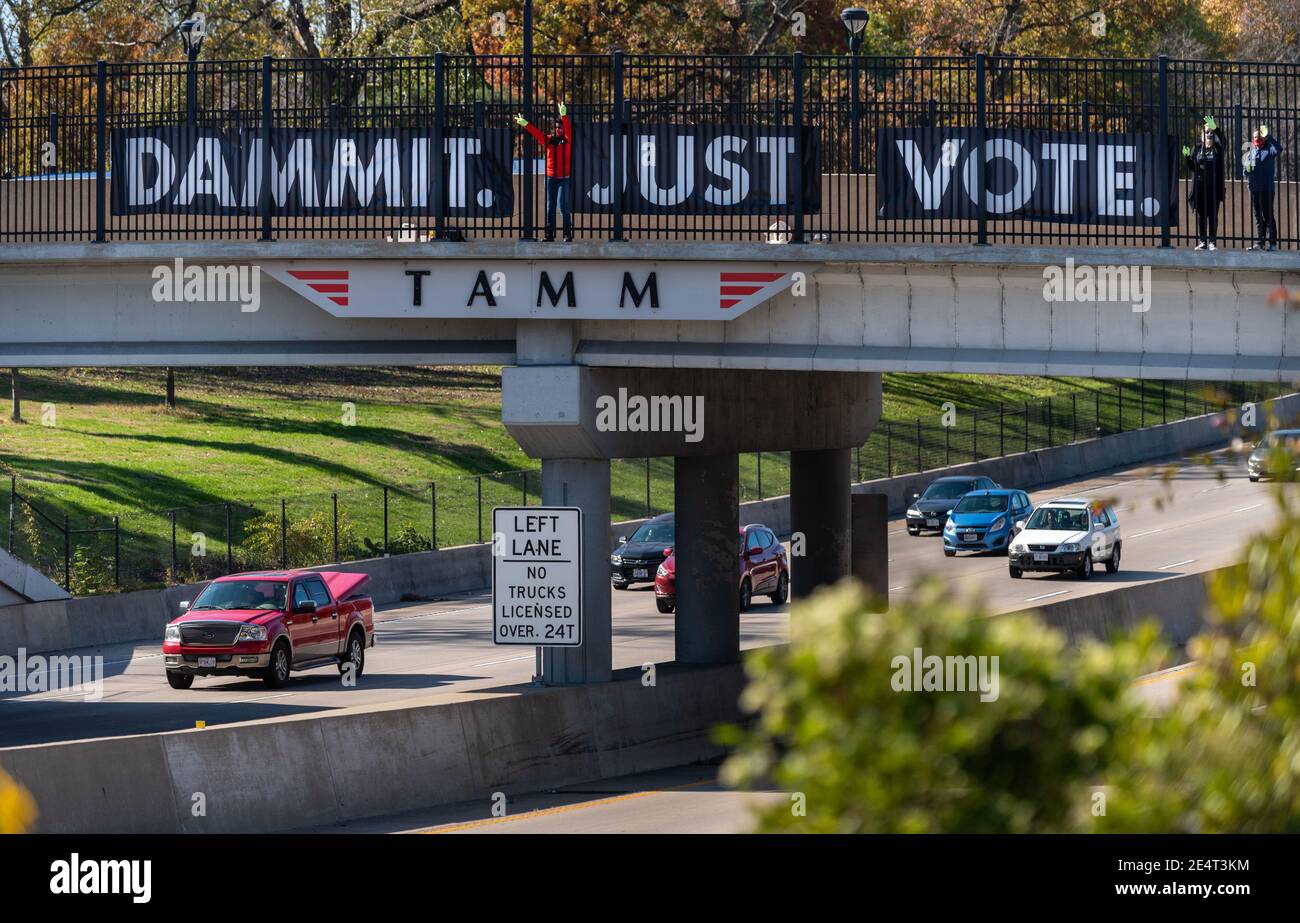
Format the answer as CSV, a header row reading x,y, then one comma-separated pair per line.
x,y
782,246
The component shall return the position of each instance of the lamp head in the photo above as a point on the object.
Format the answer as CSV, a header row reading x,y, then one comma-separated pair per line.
x,y
193,32
854,20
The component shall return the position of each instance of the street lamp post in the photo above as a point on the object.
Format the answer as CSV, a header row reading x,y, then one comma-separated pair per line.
x,y
854,20
193,32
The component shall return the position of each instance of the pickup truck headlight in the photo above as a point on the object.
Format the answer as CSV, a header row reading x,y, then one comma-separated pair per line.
x,y
913,511
1069,548
616,559
251,633
172,633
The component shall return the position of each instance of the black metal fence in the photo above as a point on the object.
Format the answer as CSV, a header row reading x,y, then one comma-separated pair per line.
x,y
56,122
135,549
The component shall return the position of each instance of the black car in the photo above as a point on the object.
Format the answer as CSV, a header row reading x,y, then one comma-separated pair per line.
x,y
636,559
929,511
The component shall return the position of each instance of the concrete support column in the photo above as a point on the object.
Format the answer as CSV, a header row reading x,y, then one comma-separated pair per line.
x,y
707,620
584,483
819,508
871,545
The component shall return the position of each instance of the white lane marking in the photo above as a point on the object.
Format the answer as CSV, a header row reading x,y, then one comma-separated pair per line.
x,y
1211,489
1149,532
901,587
488,663
1046,596
1245,508
1178,563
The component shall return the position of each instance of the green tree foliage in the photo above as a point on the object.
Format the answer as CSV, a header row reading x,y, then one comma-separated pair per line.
x,y
308,541
1066,745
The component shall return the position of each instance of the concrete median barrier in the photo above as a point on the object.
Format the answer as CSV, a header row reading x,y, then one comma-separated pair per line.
x,y
291,773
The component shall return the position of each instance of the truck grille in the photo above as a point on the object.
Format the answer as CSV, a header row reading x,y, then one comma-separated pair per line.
x,y
210,634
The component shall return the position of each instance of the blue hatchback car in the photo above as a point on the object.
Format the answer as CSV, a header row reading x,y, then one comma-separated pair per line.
x,y
985,520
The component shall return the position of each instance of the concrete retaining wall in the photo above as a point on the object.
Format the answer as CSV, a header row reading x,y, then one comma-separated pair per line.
x,y
86,621
326,769
331,768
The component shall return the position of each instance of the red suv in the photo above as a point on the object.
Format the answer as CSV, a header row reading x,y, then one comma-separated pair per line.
x,y
267,624
764,571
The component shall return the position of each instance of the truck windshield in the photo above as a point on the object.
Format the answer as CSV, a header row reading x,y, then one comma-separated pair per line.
x,y
243,594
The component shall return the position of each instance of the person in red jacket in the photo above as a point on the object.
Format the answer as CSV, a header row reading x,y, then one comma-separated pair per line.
x,y
559,155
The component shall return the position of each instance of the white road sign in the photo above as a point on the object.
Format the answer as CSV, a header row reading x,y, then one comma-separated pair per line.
x,y
537,576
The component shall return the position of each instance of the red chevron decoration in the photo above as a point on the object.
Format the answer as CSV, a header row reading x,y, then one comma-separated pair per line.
x,y
735,285
332,283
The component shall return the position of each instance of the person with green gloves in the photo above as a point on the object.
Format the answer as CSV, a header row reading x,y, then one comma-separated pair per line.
x,y
559,157
1259,164
1209,182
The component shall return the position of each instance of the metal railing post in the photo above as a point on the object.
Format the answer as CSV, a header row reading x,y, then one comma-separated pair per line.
x,y
759,458
981,130
433,515
617,150
267,197
172,515
439,118
1050,436
889,451
117,553
1026,426
1165,176
974,435
385,520
230,541
523,485
526,229
797,76
13,511
284,534
67,552
918,445
1002,429
101,156
647,487
335,498
479,479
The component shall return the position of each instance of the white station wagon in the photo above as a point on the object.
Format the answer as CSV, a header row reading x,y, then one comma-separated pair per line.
x,y
1069,535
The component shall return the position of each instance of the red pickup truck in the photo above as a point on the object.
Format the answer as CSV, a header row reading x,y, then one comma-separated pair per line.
x,y
267,624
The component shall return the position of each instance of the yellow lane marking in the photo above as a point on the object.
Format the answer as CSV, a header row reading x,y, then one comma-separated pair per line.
x,y
563,808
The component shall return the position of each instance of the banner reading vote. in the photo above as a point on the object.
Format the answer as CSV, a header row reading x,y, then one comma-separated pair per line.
x,y
1069,176
197,171
696,169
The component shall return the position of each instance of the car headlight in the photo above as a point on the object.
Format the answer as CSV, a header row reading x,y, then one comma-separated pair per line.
x,y
172,633
616,559
913,511
251,633
1017,547
997,524
661,571
1069,548
949,527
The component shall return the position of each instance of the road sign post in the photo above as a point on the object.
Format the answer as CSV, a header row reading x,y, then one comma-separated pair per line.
x,y
537,576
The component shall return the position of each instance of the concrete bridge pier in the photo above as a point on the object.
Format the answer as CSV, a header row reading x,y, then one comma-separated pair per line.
x,y
707,618
584,483
820,511
552,406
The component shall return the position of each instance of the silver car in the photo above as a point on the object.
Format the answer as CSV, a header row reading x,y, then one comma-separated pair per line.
x,y
1260,460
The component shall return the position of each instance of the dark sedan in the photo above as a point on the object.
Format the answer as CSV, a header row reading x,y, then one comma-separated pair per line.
x,y
929,511
636,559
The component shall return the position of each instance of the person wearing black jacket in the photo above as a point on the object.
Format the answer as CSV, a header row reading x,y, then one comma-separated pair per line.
x,y
1209,175
1259,163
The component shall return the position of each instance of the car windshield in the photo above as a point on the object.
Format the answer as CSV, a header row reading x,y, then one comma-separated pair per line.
x,y
981,503
243,594
1058,519
947,490
659,532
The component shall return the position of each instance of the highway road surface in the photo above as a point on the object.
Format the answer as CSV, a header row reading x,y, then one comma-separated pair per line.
x,y
429,649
